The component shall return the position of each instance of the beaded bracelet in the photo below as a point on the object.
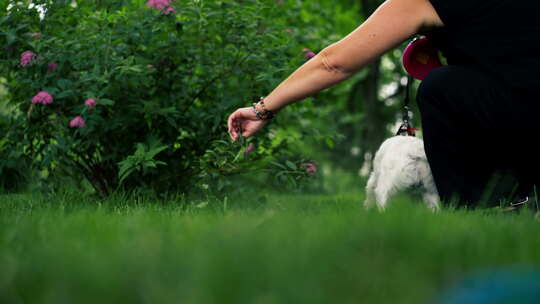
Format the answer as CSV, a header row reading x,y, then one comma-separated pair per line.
x,y
264,114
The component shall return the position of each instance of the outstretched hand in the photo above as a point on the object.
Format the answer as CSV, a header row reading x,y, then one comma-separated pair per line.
x,y
244,122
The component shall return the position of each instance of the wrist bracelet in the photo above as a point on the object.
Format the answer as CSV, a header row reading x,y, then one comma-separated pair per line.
x,y
264,114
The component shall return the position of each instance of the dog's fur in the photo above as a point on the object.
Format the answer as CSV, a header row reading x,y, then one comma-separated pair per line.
x,y
400,164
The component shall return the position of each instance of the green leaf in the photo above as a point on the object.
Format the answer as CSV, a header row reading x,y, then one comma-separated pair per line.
x,y
141,160
126,169
64,94
155,151
291,165
106,102
329,143
278,165
64,83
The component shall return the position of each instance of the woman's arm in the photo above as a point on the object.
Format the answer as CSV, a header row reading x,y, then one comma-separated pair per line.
x,y
391,24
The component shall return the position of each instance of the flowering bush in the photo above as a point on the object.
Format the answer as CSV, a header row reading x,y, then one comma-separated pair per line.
x,y
109,91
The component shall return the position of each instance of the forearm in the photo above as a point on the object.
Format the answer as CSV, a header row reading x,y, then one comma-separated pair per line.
x,y
312,77
392,23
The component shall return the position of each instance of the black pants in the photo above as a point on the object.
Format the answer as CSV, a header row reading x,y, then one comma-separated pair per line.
x,y
479,136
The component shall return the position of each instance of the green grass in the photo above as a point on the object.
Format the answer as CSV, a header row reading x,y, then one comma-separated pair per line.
x,y
283,249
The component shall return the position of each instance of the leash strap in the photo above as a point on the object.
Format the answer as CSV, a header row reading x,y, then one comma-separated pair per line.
x,y
406,128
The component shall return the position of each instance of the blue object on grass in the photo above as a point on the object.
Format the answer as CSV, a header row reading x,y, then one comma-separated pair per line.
x,y
497,287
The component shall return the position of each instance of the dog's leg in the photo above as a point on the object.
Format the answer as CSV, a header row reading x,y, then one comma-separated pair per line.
x,y
383,191
431,196
370,191
432,200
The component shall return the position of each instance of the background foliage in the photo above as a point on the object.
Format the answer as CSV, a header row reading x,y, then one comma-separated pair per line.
x,y
164,83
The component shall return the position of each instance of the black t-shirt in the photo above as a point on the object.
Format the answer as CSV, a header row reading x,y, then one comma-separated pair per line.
x,y
501,37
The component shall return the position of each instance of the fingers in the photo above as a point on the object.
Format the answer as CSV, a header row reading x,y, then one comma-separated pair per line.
x,y
230,127
234,125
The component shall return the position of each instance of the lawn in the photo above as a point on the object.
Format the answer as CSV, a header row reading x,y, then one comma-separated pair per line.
x,y
268,249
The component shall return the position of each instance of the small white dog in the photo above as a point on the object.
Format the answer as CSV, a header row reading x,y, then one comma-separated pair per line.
x,y
400,164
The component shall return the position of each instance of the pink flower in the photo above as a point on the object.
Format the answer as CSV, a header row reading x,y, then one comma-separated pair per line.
x,y
158,4
169,10
309,54
250,148
43,98
27,58
90,103
290,31
310,167
77,122
52,66
36,35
